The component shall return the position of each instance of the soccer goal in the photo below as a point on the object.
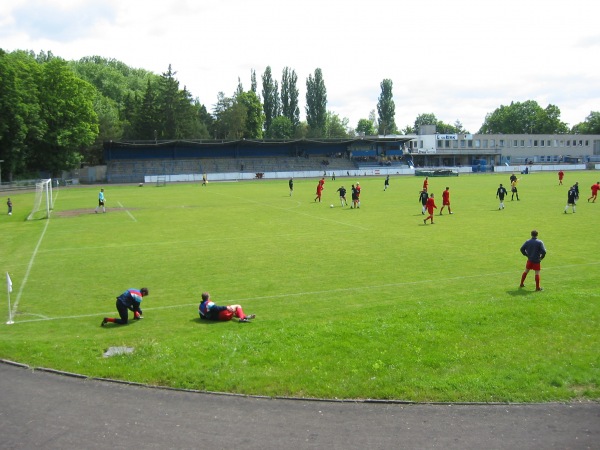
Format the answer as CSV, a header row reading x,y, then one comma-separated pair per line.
x,y
161,180
44,201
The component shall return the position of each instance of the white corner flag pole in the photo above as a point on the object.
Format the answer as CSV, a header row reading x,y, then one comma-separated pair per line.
x,y
9,290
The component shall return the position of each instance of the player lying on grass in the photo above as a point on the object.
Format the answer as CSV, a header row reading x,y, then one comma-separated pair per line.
x,y
129,300
210,311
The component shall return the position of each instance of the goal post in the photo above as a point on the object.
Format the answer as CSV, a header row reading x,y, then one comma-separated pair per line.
x,y
43,202
161,180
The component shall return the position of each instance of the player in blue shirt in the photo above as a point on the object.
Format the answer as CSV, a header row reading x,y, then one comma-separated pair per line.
x,y
129,300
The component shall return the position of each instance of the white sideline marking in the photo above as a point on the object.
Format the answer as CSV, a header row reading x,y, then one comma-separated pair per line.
x,y
325,291
127,211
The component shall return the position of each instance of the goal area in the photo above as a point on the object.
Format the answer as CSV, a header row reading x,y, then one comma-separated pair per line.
x,y
43,202
161,180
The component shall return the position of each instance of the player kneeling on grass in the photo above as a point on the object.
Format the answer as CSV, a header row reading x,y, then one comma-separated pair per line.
x,y
210,311
129,300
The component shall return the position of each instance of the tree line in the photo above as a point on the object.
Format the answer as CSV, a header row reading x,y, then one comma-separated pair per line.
x,y
56,114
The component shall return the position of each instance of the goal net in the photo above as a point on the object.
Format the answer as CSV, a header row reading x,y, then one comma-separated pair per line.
x,y
43,201
161,180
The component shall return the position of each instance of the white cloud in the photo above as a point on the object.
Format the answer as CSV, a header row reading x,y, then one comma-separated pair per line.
x,y
458,60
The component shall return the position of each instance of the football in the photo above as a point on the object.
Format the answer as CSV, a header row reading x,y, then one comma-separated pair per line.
x,y
331,206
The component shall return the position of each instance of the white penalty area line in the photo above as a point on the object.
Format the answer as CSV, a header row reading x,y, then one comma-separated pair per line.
x,y
127,211
324,291
295,211
29,266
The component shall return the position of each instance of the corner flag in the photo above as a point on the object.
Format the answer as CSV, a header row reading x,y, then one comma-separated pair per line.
x,y
8,282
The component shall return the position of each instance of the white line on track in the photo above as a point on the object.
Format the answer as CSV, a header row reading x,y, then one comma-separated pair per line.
x,y
324,291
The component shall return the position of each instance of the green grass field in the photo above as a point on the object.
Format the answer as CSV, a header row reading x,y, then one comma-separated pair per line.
x,y
366,303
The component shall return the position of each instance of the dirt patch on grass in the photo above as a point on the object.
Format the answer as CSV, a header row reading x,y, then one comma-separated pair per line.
x,y
83,212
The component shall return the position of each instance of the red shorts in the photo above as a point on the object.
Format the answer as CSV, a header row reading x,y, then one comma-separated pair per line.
x,y
447,203
225,315
533,266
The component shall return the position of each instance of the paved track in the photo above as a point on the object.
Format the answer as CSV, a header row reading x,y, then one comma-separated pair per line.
x,y
41,410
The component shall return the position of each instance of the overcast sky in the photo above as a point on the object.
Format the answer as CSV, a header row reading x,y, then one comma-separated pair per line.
x,y
456,59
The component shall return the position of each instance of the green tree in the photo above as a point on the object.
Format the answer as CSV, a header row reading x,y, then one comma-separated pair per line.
x,y
271,102
230,118
316,104
365,127
253,81
282,128
591,124
335,127
21,125
147,119
68,112
289,96
424,119
386,109
254,114
520,118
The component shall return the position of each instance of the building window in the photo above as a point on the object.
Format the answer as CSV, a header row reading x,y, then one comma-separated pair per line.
x,y
522,142
561,143
535,143
454,144
485,143
587,143
477,143
568,143
470,144
529,142
463,144
555,143
515,143
542,143
492,143
501,143
580,143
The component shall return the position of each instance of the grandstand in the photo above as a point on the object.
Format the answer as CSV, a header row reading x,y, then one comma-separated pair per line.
x,y
121,171
133,162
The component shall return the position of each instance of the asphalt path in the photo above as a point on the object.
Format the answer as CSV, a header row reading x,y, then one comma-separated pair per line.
x,y
46,410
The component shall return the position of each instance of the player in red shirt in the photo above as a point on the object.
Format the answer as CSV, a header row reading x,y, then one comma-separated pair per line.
x,y
430,205
595,188
357,194
446,201
426,183
320,188
561,175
